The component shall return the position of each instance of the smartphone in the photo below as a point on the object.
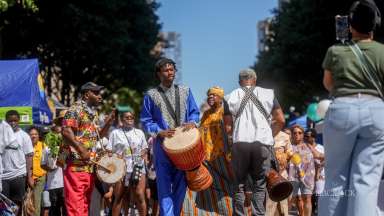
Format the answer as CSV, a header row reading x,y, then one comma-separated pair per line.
x,y
342,28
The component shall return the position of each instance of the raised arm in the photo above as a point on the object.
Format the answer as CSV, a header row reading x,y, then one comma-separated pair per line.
x,y
108,123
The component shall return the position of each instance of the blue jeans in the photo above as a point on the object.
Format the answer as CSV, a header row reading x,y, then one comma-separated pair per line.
x,y
354,156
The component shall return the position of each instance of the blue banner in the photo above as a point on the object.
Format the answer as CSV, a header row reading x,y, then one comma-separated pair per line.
x,y
22,86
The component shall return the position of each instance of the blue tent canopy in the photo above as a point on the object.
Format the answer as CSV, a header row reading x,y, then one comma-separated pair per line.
x,y
21,88
302,121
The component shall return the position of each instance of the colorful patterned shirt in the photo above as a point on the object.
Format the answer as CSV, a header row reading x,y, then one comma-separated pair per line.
x,y
307,166
83,120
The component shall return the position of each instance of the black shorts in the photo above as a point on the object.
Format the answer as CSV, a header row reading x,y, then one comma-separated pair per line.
x,y
14,188
153,187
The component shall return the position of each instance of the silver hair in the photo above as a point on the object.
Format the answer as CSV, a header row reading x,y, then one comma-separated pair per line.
x,y
247,74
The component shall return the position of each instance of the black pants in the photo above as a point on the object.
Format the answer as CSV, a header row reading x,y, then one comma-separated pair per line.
x,y
56,196
14,188
250,160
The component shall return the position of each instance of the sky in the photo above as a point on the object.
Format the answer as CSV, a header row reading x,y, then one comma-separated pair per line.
x,y
218,37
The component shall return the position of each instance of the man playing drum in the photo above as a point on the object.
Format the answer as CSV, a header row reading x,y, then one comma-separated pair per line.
x,y
253,109
80,134
165,108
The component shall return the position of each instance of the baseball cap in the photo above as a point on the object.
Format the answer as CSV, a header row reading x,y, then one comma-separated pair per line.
x,y
91,86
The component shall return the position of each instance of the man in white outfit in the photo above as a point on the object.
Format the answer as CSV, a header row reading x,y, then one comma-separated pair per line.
x,y
258,117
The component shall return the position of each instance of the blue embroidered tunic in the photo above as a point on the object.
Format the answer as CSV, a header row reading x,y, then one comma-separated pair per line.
x,y
155,117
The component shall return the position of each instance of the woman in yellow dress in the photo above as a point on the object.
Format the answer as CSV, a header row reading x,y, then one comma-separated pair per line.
x,y
215,127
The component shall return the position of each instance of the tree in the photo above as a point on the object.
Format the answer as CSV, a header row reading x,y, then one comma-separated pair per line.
x,y
27,4
106,41
303,30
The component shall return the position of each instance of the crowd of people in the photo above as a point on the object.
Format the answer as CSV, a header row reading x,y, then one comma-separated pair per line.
x,y
243,134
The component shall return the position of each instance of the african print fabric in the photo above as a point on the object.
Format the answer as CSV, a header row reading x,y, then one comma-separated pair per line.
x,y
216,200
83,120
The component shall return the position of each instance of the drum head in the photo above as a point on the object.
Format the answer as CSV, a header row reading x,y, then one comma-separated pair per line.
x,y
182,139
115,164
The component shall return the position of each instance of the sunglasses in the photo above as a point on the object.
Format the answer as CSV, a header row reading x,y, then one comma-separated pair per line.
x,y
297,132
129,117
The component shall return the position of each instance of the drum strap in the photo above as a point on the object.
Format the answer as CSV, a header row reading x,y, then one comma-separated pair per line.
x,y
249,95
175,113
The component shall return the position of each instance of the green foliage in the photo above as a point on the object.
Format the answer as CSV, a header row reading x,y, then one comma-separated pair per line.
x,y
53,141
124,97
26,4
303,31
105,41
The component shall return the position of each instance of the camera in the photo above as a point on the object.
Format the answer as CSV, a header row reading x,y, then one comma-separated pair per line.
x,y
136,173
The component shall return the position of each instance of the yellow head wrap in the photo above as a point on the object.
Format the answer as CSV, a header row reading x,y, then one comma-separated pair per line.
x,y
217,91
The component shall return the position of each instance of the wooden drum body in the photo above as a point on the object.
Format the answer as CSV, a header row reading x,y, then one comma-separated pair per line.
x,y
185,149
199,179
278,187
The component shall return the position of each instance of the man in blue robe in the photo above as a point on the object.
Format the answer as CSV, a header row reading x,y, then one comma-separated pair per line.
x,y
165,108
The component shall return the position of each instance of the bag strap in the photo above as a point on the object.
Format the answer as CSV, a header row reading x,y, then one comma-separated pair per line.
x,y
367,68
129,143
174,114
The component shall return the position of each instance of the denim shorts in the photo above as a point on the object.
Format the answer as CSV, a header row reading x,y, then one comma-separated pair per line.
x,y
300,189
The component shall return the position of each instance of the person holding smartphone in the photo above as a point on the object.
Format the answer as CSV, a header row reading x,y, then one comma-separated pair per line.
x,y
354,124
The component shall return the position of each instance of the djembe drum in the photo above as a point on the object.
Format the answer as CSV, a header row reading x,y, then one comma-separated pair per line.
x,y
110,168
186,151
278,187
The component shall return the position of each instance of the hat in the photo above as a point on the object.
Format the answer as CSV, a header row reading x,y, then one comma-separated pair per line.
x,y
91,86
216,91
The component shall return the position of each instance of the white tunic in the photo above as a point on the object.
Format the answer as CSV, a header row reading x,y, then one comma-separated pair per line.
x,y
251,126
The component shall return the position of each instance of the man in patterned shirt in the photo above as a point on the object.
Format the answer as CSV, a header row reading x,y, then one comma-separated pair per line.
x,y
80,133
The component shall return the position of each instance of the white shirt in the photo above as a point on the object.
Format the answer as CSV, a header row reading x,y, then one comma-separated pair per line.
x,y
54,177
128,143
7,138
251,126
14,163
